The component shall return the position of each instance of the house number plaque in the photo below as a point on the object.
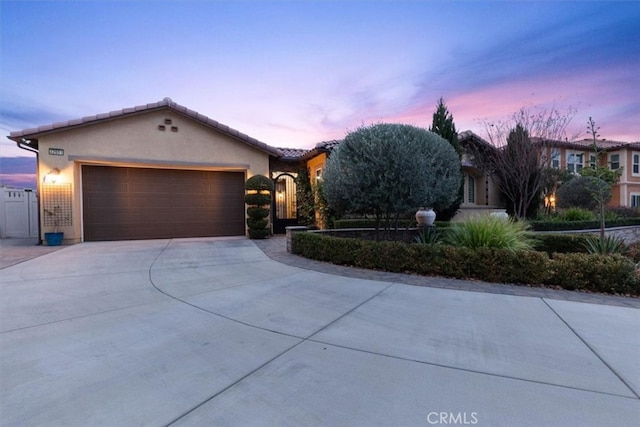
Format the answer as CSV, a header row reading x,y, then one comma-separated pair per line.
x,y
56,151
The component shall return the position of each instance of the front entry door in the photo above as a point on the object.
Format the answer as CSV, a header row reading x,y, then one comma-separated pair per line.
x,y
284,202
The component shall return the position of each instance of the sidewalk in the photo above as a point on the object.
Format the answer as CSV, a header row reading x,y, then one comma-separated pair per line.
x,y
16,250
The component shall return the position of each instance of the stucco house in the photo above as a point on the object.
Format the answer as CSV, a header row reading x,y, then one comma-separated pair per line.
x,y
161,170
158,170
575,155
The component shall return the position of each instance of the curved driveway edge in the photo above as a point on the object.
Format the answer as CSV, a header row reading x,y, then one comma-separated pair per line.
x,y
214,332
275,248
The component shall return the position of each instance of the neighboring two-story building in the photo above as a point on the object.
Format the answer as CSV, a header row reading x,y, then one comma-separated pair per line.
x,y
575,155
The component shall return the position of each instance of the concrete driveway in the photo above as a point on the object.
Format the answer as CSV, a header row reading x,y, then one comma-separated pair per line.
x,y
212,332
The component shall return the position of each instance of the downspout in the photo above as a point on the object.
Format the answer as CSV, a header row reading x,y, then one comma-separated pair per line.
x,y
23,144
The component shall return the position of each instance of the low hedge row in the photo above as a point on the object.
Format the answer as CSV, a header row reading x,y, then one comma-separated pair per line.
x,y
369,223
611,274
535,225
580,225
560,243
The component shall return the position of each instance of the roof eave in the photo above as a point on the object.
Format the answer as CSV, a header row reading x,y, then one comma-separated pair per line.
x,y
166,103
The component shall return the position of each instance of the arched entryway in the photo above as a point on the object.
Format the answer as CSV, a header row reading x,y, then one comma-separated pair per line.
x,y
284,208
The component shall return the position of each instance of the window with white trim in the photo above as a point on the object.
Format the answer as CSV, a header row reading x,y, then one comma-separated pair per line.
x,y
635,164
555,158
634,200
471,189
593,161
614,161
318,174
575,161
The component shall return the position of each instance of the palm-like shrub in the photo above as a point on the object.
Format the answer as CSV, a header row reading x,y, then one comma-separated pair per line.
x,y
605,246
488,231
428,236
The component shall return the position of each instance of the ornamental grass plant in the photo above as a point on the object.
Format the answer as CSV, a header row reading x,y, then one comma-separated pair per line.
x,y
605,246
488,231
577,214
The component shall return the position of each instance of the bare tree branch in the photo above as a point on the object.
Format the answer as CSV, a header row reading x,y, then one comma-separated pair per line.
x,y
520,147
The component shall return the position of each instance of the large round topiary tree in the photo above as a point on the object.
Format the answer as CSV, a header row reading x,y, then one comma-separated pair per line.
x,y
391,169
258,200
581,191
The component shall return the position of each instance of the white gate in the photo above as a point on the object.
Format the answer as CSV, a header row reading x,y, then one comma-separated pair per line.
x,y
18,213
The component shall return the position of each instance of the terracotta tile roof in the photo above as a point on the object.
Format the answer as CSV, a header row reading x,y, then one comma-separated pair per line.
x,y
603,144
166,103
328,145
292,153
302,154
583,144
586,144
468,135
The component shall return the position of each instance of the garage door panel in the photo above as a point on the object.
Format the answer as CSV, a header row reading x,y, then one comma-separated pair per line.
x,y
143,203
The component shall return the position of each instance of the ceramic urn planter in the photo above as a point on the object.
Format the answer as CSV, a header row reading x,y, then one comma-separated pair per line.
x,y
425,217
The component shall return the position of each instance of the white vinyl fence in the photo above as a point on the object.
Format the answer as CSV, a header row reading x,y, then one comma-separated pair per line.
x,y
18,213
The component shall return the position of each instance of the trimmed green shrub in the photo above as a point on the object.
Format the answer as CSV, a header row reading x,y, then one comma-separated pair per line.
x,y
625,212
386,256
601,273
581,225
507,266
633,251
257,212
577,214
386,169
258,201
580,192
572,271
560,243
369,223
259,234
488,231
259,183
257,223
497,265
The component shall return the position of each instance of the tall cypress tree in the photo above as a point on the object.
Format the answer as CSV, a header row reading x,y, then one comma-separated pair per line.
x,y
443,125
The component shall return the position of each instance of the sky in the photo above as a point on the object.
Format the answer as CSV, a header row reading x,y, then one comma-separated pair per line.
x,y
294,73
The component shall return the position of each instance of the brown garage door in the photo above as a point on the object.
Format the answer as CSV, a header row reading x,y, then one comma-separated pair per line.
x,y
140,203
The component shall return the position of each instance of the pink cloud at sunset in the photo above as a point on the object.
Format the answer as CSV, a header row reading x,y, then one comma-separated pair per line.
x,y
564,93
292,74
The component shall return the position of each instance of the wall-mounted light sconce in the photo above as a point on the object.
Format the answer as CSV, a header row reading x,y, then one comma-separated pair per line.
x,y
51,177
280,195
552,201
